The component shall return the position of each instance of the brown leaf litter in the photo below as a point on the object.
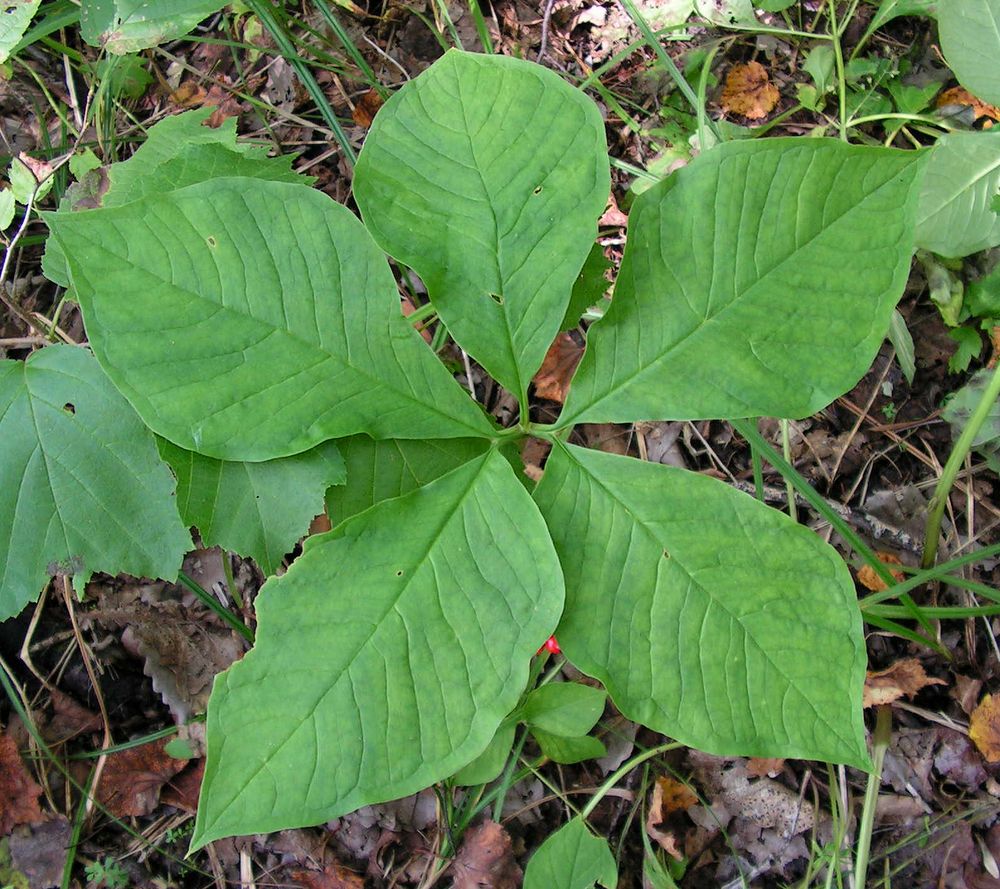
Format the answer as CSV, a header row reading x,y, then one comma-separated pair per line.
x,y
132,779
870,580
984,727
19,792
905,677
559,365
669,798
748,91
486,860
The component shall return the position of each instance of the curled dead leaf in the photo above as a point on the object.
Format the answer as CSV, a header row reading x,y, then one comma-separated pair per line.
x,y
486,860
905,677
132,779
871,581
669,798
553,377
368,105
19,792
960,96
984,728
748,91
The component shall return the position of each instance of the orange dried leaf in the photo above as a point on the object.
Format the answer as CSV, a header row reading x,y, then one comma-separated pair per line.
x,y
333,877
364,112
761,767
132,780
669,798
18,791
905,677
871,581
486,860
958,95
748,91
984,728
552,379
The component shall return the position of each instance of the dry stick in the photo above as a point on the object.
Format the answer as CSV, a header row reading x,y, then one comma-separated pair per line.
x,y
935,512
546,18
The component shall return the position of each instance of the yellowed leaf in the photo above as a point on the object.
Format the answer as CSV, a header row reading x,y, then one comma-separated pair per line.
x,y
748,91
984,728
905,677
871,581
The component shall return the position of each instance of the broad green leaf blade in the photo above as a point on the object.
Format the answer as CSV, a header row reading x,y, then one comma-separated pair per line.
x,y
81,486
707,615
891,9
572,858
381,470
486,175
124,26
489,764
758,280
254,509
15,16
970,41
248,320
568,709
405,634
568,751
956,215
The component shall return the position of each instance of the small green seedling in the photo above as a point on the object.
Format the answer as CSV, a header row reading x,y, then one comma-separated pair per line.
x,y
253,325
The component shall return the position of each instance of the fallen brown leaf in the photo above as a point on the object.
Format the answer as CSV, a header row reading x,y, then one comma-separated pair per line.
x,y
958,95
485,860
871,581
552,379
18,790
132,779
761,767
748,91
408,309
39,852
368,105
905,677
669,798
332,877
984,728
183,790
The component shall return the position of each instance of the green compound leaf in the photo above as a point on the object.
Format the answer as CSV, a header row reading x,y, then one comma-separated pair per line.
x,y
381,470
486,175
572,858
124,26
254,509
15,16
248,320
956,215
970,40
406,634
743,274
81,486
707,615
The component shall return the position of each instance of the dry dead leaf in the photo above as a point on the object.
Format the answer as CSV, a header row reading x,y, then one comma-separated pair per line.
x,y
669,798
613,216
184,788
760,767
905,677
607,437
69,719
871,581
39,852
486,860
958,95
189,95
552,379
18,791
368,105
333,876
406,304
132,779
748,91
984,728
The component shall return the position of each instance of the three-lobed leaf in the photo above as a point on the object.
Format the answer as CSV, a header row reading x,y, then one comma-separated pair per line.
x,y
406,634
704,612
81,486
486,175
252,319
758,280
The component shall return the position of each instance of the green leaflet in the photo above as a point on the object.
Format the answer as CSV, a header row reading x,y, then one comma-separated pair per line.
x,y
254,509
571,858
380,470
124,26
956,215
81,486
970,40
733,298
406,634
567,709
486,175
704,612
13,23
248,320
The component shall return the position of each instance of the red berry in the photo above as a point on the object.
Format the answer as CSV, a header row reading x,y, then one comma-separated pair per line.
x,y
552,646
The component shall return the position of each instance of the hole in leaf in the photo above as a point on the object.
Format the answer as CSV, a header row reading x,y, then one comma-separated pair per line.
x,y
211,241
399,574
537,190
69,407
497,298
666,555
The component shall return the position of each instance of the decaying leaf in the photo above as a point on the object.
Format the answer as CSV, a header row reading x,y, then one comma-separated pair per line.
x,y
332,877
871,581
984,728
761,767
19,792
39,852
669,798
368,105
748,91
552,379
905,677
485,860
132,779
959,95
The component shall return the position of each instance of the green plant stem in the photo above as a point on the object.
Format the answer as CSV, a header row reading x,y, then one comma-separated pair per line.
x,y
661,54
940,572
838,54
507,779
74,838
211,602
623,770
935,510
786,452
701,109
880,743
350,48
